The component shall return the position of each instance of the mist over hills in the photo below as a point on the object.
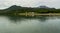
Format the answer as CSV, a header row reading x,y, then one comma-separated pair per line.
x,y
14,7
40,9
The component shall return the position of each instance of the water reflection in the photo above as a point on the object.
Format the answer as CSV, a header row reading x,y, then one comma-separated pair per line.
x,y
41,24
19,18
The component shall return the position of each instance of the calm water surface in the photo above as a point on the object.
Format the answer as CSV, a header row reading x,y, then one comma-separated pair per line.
x,y
29,25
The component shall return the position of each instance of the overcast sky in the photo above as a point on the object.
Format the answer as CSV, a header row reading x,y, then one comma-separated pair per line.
x,y
29,3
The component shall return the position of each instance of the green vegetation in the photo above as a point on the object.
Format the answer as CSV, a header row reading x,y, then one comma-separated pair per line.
x,y
18,9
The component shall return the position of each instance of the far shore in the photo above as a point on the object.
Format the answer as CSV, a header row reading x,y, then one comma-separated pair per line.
x,y
39,14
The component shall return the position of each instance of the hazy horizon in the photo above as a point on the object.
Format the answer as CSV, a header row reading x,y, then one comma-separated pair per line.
x,y
29,3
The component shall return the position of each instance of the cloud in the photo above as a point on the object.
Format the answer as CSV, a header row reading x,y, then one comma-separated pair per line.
x,y
29,3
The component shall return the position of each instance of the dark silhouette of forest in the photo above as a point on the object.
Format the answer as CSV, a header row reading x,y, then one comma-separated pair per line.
x,y
19,9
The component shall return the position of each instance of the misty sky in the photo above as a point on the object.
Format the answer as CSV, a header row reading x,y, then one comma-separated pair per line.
x,y
29,3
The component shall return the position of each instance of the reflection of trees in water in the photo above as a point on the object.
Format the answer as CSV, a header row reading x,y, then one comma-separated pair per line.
x,y
20,18
43,18
15,18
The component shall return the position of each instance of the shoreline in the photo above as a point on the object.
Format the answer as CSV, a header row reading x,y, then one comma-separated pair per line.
x,y
39,14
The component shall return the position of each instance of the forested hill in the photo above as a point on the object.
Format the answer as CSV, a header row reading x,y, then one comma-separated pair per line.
x,y
41,9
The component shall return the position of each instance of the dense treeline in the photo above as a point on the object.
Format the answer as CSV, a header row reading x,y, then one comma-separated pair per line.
x,y
19,9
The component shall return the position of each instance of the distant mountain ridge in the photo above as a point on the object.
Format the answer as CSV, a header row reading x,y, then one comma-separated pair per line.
x,y
40,9
14,7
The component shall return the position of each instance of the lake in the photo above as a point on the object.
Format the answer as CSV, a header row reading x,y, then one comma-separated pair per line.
x,y
42,24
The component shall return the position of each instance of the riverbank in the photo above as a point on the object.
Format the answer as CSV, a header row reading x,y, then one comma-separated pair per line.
x,y
39,14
